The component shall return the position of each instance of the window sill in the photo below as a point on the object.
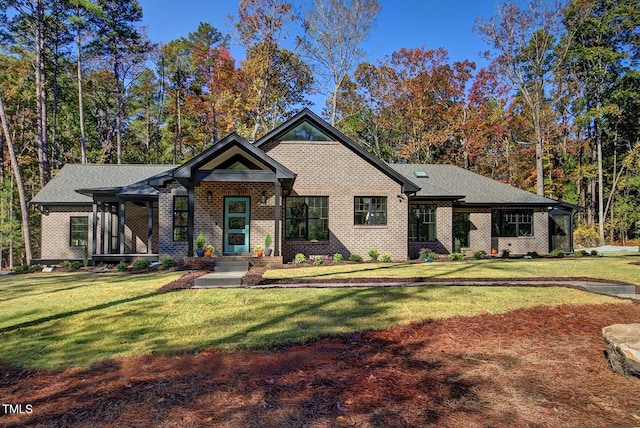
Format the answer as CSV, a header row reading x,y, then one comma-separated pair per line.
x,y
302,241
370,226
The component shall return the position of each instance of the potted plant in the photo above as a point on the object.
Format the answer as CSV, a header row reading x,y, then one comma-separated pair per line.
x,y
267,244
259,250
209,250
200,244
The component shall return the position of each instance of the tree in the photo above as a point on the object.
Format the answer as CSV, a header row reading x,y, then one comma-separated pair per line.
x,y
275,79
83,9
119,42
334,31
606,35
15,168
526,53
28,24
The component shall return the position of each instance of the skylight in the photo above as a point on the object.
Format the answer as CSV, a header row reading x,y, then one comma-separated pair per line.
x,y
420,174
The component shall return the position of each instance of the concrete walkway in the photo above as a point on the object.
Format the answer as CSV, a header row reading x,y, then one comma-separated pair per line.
x,y
228,274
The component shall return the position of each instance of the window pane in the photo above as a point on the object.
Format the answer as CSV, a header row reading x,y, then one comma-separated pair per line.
x,y
307,218
79,231
370,211
180,218
422,222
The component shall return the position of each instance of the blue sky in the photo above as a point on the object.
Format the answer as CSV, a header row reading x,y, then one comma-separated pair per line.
x,y
401,23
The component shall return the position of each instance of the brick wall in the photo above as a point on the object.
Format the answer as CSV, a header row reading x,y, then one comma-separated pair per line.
x,y
56,226
331,169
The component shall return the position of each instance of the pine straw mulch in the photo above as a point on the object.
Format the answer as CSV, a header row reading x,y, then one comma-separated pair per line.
x,y
540,367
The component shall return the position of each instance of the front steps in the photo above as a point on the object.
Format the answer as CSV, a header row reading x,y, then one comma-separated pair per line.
x,y
227,273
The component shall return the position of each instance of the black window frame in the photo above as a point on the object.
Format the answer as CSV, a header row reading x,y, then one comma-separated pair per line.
x,y
74,231
180,230
417,222
306,214
512,223
363,212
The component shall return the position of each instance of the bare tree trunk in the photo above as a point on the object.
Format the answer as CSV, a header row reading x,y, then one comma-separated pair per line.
x,y
18,177
41,101
83,139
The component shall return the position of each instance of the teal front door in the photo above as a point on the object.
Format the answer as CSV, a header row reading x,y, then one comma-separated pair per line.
x,y
236,224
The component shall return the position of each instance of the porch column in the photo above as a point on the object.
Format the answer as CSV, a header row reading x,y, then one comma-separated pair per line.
x,y
121,224
150,228
108,220
276,216
103,221
94,230
190,220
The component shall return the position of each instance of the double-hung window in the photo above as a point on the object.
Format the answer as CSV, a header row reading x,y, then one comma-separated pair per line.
x,y
422,222
307,218
370,210
180,218
79,231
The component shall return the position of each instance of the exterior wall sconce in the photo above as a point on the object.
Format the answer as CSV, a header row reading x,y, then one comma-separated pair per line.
x,y
400,198
209,195
263,197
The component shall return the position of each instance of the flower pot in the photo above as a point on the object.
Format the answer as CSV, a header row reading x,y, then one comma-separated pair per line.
x,y
200,252
267,252
259,253
208,253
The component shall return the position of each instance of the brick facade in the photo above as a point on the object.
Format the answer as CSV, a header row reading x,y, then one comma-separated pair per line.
x,y
333,170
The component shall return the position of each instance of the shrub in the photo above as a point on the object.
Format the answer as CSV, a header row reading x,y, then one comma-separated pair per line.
x,y
479,254
581,253
268,241
65,264
424,253
594,252
85,257
168,263
300,258
586,236
122,266
141,264
557,253
533,254
505,254
386,258
457,256
21,268
432,255
457,245
75,265
337,258
355,258
200,240
318,260
374,254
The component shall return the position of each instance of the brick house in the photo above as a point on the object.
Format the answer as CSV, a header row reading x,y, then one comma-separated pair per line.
x,y
307,185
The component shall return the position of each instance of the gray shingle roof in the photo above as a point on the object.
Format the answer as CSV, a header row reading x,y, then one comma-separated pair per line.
x,y
62,188
473,188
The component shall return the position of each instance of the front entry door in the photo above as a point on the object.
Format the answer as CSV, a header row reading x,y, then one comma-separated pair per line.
x,y
236,224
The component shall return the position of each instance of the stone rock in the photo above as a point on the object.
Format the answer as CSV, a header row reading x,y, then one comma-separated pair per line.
x,y
623,348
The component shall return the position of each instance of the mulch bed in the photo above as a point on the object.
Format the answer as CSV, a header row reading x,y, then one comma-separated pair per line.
x,y
539,367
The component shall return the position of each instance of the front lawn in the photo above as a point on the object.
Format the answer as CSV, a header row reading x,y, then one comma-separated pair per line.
x,y
56,320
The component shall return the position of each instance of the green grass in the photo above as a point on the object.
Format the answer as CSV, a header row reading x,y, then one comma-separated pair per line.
x,y
609,268
60,320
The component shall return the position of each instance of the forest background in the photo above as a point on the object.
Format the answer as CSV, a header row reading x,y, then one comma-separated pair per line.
x,y
556,109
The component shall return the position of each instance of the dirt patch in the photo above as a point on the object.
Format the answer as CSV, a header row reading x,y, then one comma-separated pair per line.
x,y
540,367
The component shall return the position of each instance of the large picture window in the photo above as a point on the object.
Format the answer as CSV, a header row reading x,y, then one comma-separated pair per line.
x,y
422,222
512,223
307,218
180,218
79,231
370,210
